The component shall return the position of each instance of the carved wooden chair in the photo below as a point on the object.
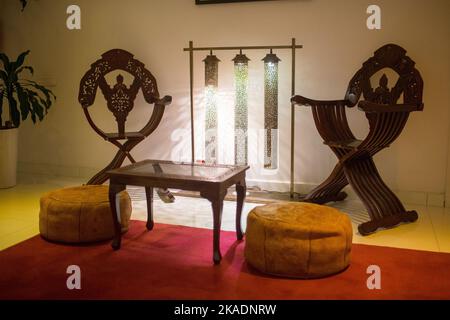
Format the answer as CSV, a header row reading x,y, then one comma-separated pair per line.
x,y
120,101
387,117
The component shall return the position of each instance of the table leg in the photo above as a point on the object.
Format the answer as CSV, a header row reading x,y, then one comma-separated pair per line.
x,y
114,203
217,206
149,195
241,190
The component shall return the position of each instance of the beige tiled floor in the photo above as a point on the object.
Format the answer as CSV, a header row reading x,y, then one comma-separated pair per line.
x,y
431,232
19,208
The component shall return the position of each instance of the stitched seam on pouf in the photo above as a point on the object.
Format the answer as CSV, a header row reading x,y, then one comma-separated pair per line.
x,y
309,255
76,201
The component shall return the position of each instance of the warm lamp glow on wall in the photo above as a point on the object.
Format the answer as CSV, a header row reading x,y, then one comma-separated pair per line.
x,y
241,109
211,83
271,110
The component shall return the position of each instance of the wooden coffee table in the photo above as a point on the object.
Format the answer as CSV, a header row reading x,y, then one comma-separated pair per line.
x,y
212,181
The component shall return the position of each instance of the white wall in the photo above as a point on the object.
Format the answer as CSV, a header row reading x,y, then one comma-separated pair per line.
x,y
336,42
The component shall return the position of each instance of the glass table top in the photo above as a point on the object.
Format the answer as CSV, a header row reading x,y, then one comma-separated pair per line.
x,y
178,169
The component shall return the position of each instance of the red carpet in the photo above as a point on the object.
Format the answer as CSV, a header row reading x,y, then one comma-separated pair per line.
x,y
174,262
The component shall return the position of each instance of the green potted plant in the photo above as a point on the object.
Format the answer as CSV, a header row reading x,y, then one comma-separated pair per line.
x,y
20,99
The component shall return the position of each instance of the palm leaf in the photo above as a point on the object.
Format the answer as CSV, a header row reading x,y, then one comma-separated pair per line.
x,y
20,60
23,101
43,103
33,115
35,103
40,87
1,107
24,97
5,61
24,3
31,101
47,92
38,109
13,111
30,95
3,76
25,68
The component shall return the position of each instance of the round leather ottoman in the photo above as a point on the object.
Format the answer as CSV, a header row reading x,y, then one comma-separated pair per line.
x,y
298,239
80,214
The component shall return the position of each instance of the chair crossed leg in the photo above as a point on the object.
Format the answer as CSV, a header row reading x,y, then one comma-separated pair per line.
x,y
330,189
119,158
383,206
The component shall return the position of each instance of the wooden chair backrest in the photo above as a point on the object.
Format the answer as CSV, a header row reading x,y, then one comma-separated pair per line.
x,y
409,82
385,127
120,98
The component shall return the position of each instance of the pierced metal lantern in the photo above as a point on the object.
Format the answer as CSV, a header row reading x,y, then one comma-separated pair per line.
x,y
241,109
211,132
271,110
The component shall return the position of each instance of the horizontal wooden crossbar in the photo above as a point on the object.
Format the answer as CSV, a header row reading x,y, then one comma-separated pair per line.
x,y
243,48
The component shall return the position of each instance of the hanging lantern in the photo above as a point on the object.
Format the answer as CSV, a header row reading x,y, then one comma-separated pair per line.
x,y
271,110
241,109
211,83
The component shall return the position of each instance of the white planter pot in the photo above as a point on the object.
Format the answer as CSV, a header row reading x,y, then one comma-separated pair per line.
x,y
8,157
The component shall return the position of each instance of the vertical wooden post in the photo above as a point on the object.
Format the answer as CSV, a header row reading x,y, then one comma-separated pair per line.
x,y
291,188
191,83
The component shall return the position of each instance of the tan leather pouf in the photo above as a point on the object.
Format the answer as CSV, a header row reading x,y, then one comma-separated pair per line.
x,y
298,239
80,214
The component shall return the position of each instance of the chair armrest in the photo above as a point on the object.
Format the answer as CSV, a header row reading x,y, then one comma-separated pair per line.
x,y
371,107
165,101
302,101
